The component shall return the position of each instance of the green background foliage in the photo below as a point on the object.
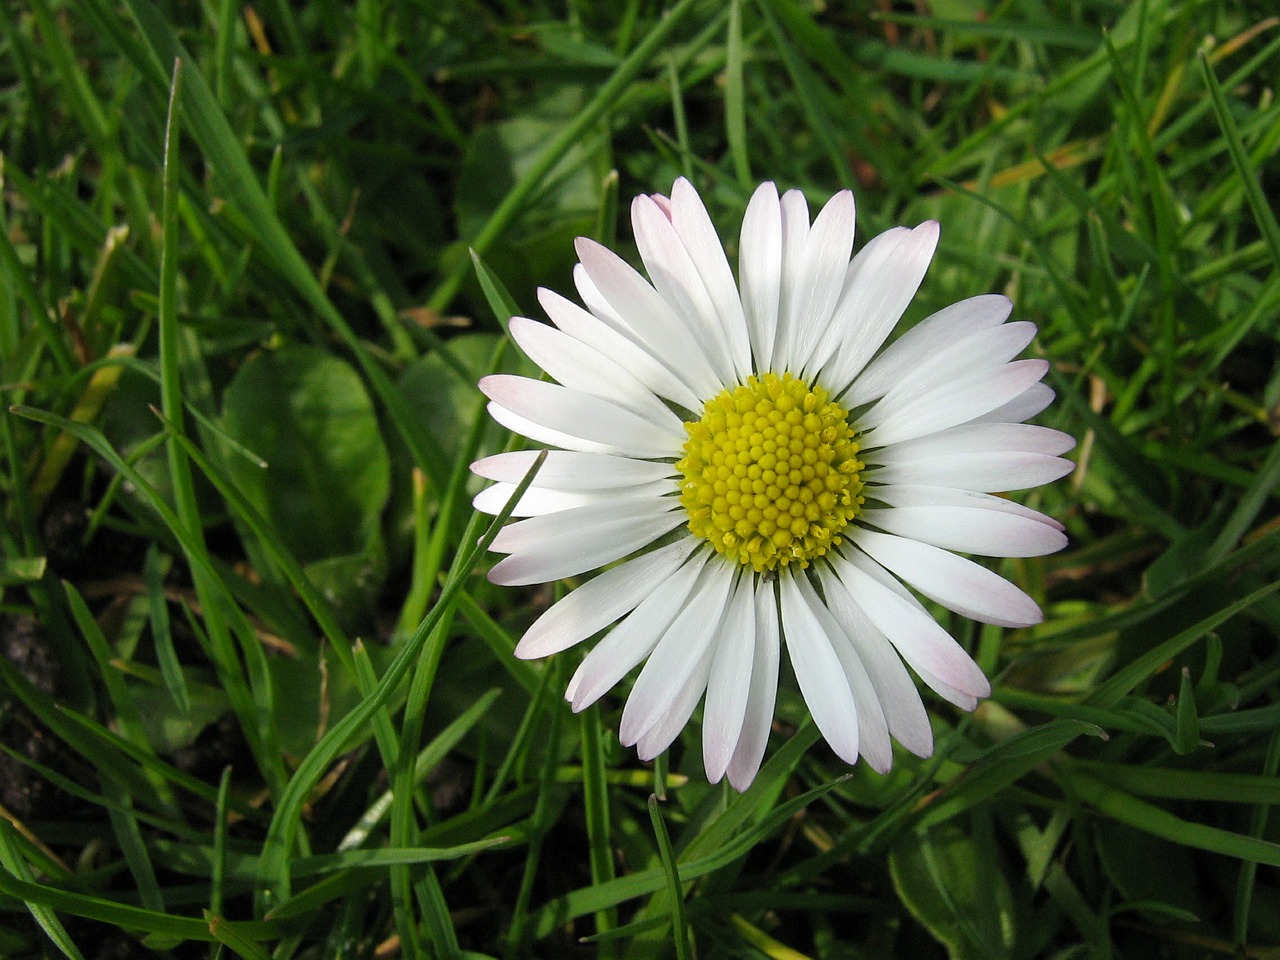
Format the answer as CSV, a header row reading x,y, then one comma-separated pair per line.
x,y
257,698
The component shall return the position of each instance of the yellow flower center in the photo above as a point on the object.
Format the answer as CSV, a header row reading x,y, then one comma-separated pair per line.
x,y
770,474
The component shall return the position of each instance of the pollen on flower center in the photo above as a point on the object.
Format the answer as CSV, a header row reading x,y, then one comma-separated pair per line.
x,y
770,474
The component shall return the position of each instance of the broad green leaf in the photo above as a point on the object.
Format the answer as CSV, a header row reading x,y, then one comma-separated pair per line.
x,y
307,414
951,882
1128,855
443,394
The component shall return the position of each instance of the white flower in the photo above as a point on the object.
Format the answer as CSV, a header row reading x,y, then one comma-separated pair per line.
x,y
771,476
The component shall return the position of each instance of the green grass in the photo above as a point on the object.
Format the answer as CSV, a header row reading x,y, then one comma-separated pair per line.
x,y
257,698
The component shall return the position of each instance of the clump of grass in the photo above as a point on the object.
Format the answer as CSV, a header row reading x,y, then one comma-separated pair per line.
x,y
256,698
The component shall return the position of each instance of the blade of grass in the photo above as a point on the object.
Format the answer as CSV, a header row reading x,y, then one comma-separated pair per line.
x,y
435,912
166,656
713,848
220,826
595,802
513,763
675,892
1118,685
735,111
222,648
359,870
119,914
599,107
1157,821
234,938
404,830
1245,883
809,90
428,759
1263,213
209,127
13,862
545,814
426,566
278,846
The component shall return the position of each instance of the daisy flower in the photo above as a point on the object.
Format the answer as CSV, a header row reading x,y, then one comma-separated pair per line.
x,y
770,478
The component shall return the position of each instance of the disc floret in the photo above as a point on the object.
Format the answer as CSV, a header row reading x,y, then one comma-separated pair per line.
x,y
770,474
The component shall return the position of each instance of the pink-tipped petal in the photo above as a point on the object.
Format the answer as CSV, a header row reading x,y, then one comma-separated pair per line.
x,y
819,672
933,336
680,649
816,290
565,544
650,317
922,643
760,270
754,738
585,368
881,281
898,419
612,342
873,730
988,533
601,601
565,470
958,584
795,231
899,699
729,683
633,639
698,234
676,278
579,414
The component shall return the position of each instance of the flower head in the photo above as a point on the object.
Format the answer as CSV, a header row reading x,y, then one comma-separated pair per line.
x,y
770,478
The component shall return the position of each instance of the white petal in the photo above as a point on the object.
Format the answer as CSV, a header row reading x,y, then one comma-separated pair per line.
x,y
677,713
979,456
989,472
933,335
965,701
795,230
664,202
760,700
816,289
599,307
581,367
983,350
699,237
564,470
955,582
873,730
632,640
599,602
919,495
671,666
922,643
819,672
574,541
899,699
651,317
984,438
534,431
600,336
879,285
897,419
969,529
729,683
760,270
677,280
1022,407
539,501
578,414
